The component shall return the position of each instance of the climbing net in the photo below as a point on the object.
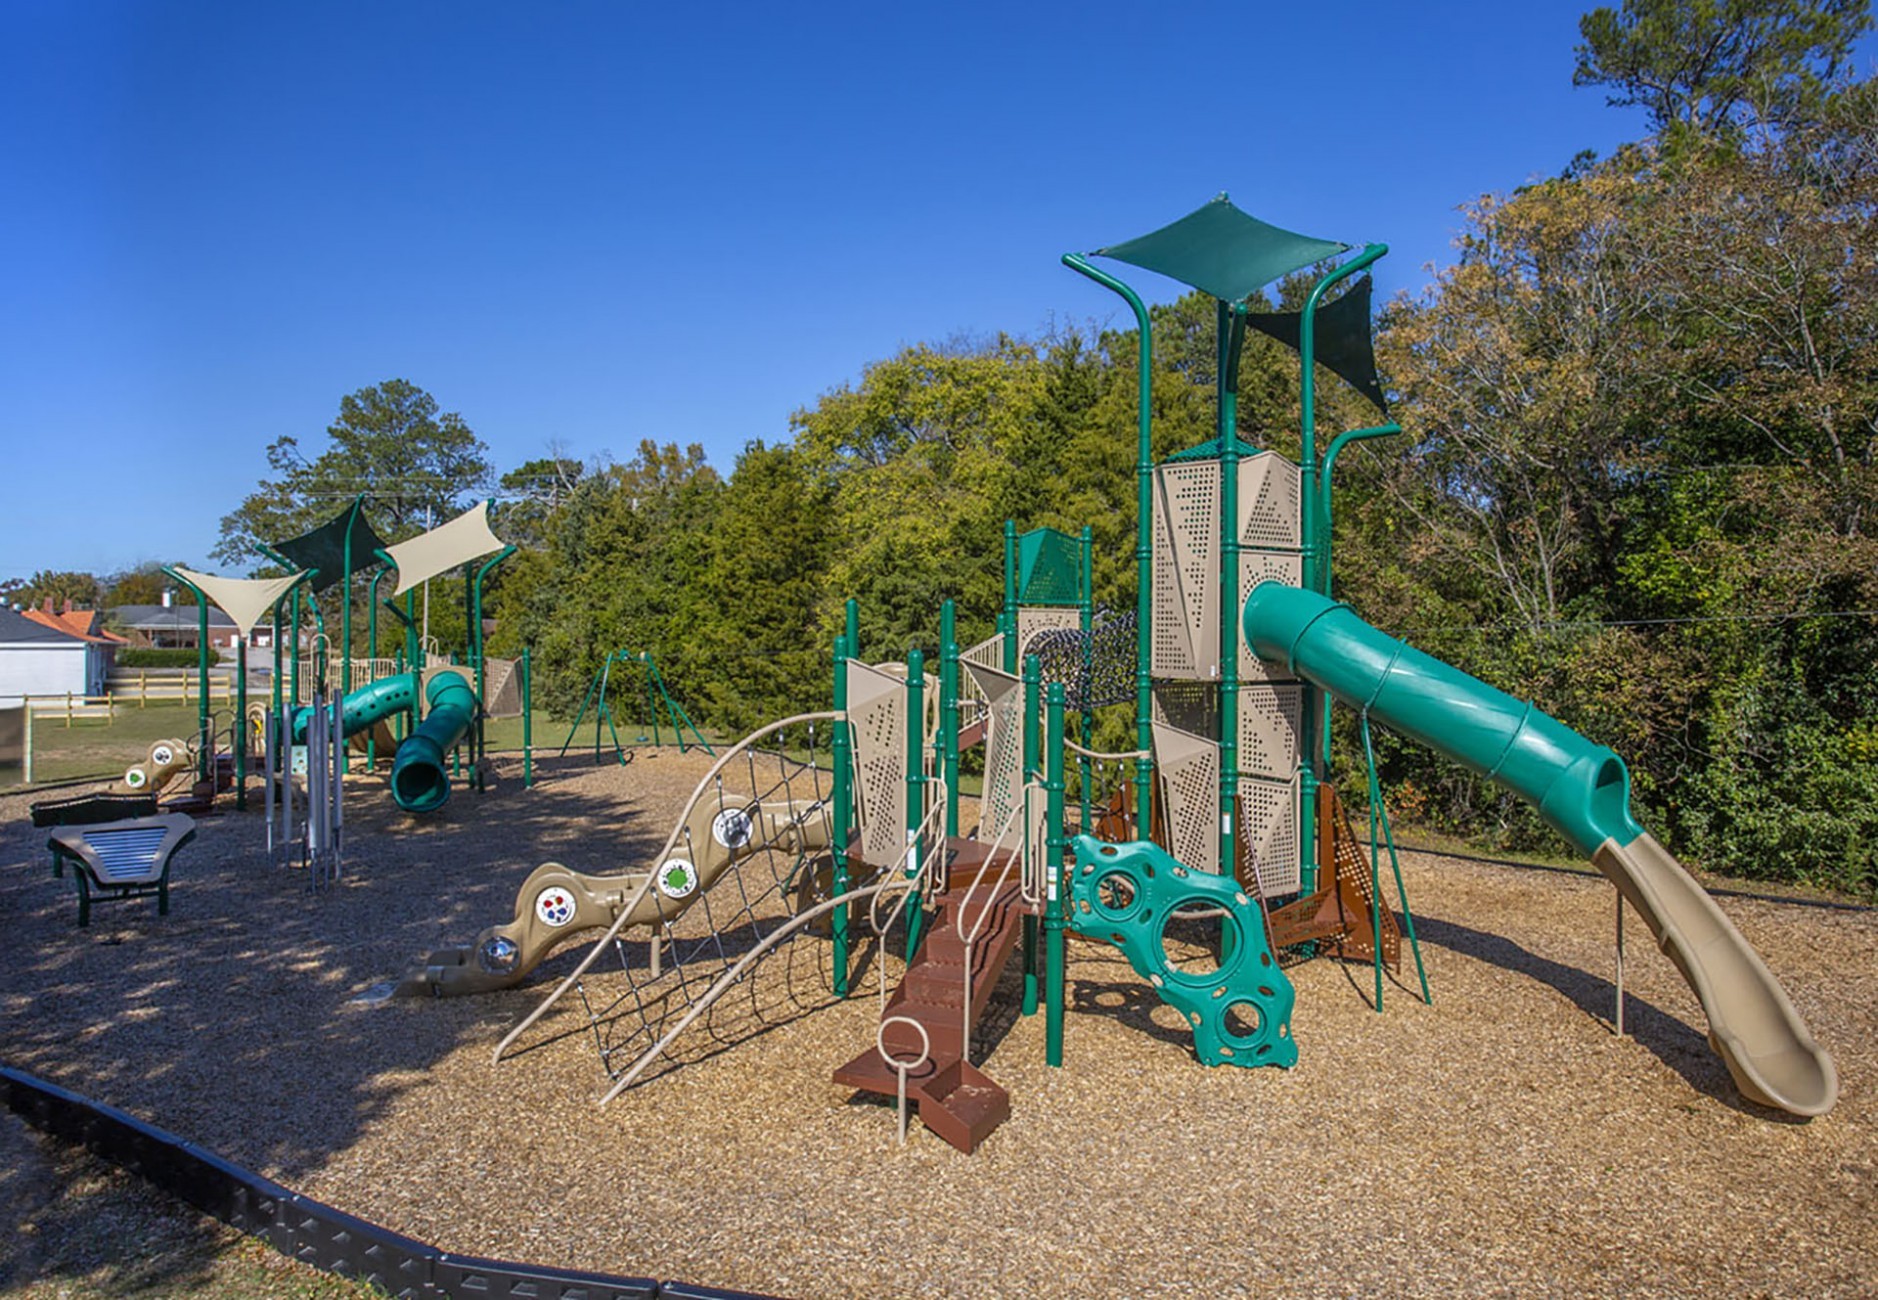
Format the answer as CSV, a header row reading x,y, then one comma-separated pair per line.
x,y
749,852
1096,667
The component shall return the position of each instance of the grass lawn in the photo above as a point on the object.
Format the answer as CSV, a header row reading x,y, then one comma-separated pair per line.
x,y
97,747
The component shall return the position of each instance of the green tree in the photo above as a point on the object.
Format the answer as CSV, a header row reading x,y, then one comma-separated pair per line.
x,y
144,585
533,491
1707,64
417,468
82,589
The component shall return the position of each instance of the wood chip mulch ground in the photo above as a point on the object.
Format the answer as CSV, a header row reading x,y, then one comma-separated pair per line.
x,y
1501,1141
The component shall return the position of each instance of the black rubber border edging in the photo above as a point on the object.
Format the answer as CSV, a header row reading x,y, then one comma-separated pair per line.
x,y
308,1230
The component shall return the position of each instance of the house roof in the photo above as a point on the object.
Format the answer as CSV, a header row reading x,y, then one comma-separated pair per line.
x,y
168,618
81,623
16,628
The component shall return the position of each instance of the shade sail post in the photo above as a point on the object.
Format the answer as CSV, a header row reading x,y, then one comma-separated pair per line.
x,y
1144,526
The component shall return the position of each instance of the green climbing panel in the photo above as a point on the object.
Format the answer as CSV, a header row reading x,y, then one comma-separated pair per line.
x,y
1240,1013
1049,568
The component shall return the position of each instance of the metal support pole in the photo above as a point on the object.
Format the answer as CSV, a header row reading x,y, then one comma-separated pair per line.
x,y
1231,336
1620,963
1085,771
949,713
528,723
915,792
1144,533
1056,904
241,722
1030,699
843,798
1008,617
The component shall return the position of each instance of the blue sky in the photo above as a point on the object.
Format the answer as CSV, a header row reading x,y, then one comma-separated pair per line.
x,y
594,223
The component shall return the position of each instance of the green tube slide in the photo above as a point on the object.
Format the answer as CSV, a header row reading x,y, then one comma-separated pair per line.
x,y
420,782
1580,789
365,706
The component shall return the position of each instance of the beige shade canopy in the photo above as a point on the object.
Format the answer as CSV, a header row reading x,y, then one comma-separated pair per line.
x,y
246,600
465,538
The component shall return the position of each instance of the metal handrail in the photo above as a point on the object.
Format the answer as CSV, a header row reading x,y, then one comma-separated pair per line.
x,y
1029,889
1123,756
671,842
908,885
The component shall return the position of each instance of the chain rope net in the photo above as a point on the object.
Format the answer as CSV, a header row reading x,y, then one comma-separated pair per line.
x,y
1096,667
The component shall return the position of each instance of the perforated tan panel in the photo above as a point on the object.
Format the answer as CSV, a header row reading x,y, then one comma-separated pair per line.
x,y
1186,570
1269,492
1269,716
1004,746
1256,567
877,715
1188,768
988,653
504,686
1268,833
1032,619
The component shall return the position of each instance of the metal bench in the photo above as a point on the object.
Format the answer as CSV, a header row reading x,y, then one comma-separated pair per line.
x,y
124,859
87,809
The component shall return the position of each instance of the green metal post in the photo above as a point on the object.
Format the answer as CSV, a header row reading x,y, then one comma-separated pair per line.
x,y
1144,533
839,815
915,792
371,635
528,723
1231,336
1086,600
1310,471
275,680
1009,616
345,602
297,617
469,651
949,712
1029,698
1328,533
240,738
1056,901
205,746
481,659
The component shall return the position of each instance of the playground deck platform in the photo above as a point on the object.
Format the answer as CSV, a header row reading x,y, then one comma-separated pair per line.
x,y
1500,1141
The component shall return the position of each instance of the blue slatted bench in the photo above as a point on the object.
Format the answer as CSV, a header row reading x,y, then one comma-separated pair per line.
x,y
123,859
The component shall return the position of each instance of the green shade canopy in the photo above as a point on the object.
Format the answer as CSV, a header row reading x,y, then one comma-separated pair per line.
x,y
324,549
1222,251
1340,340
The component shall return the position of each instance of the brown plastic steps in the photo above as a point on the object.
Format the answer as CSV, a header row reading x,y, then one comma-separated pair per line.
x,y
956,1100
962,1105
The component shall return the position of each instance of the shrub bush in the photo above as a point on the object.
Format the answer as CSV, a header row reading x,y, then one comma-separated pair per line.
x,y
141,657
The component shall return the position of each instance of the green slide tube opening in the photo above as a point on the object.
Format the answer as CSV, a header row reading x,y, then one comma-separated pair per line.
x,y
420,779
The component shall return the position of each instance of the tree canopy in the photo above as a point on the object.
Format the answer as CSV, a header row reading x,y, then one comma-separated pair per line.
x,y
388,442
1705,64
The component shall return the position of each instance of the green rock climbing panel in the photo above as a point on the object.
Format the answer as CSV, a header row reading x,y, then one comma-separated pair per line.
x,y
1125,894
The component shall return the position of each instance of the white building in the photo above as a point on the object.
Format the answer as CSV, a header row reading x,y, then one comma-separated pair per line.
x,y
40,660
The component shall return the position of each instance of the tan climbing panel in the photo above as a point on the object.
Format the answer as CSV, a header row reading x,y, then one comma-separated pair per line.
x,y
877,716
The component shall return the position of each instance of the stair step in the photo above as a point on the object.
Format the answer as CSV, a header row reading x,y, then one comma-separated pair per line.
x,y
962,1105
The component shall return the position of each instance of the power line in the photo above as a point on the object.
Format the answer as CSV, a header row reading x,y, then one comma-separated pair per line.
x,y
1650,622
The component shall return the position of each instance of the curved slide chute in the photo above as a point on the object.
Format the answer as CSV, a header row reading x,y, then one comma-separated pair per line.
x,y
1583,791
420,781
364,707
